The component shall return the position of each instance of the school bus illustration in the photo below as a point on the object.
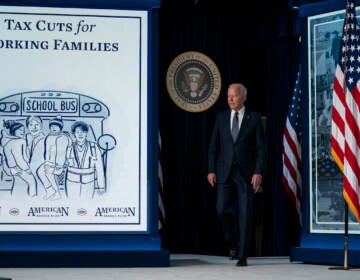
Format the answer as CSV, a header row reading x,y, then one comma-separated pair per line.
x,y
53,145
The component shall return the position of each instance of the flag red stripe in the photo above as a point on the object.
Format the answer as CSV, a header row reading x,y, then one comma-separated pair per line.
x,y
288,190
339,102
353,128
356,97
351,161
292,145
337,153
293,174
292,199
337,119
338,87
295,200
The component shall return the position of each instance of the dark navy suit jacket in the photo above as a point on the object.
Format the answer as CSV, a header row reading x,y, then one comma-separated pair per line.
x,y
248,151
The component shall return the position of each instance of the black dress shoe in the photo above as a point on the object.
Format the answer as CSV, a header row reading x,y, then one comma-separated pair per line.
x,y
232,254
241,262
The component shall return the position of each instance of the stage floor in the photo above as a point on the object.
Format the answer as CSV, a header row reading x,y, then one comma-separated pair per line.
x,y
197,267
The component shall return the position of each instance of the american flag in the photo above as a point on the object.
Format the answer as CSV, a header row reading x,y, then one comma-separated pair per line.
x,y
161,193
291,155
345,130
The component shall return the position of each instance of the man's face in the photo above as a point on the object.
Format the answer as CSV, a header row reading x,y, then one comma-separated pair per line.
x,y
54,128
34,127
80,135
235,98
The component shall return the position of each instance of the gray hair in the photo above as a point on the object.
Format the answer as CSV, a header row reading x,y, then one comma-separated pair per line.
x,y
241,87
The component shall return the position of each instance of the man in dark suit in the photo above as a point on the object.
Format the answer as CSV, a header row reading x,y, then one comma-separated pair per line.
x,y
236,161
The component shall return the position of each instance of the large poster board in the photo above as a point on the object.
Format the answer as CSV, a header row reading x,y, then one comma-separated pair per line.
x,y
326,180
73,120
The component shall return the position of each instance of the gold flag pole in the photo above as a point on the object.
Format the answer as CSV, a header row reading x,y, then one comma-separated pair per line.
x,y
346,241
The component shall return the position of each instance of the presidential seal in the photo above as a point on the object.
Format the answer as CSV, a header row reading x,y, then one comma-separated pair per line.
x,y
193,81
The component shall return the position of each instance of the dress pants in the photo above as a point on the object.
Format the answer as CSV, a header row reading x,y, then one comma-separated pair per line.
x,y
234,206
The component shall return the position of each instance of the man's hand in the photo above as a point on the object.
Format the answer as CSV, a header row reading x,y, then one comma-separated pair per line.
x,y
256,183
211,177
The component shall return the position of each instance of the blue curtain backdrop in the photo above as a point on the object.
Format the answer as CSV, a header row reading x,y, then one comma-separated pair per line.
x,y
256,43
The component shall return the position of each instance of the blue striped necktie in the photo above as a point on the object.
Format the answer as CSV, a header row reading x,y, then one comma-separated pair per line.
x,y
235,126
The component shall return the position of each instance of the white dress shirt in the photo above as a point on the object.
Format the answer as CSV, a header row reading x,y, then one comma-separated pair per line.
x,y
240,116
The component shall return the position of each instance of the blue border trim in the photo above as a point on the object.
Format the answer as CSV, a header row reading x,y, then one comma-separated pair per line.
x,y
104,4
153,128
110,249
321,7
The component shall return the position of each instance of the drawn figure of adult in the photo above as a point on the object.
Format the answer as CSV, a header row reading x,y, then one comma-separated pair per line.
x,y
235,167
56,144
85,172
35,142
16,158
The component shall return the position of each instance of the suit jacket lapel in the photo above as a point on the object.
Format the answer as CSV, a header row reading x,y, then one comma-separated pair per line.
x,y
228,122
245,120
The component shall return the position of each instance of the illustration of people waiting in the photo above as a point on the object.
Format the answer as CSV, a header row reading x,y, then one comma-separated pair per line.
x,y
16,161
85,172
56,144
35,142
